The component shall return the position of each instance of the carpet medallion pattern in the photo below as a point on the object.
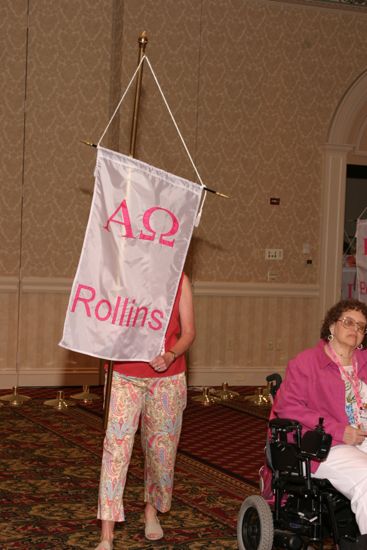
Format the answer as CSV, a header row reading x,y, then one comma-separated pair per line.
x,y
49,473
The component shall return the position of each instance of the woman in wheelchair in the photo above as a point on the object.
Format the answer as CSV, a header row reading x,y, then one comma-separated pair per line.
x,y
328,381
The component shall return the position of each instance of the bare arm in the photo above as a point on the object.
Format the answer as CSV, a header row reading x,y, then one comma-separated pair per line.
x,y
186,309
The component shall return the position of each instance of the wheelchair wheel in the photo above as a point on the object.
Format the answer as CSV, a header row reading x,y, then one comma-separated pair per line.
x,y
255,529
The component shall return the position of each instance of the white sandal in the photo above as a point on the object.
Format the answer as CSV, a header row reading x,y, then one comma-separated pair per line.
x,y
153,529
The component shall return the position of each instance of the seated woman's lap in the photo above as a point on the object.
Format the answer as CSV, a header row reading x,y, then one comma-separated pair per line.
x,y
346,469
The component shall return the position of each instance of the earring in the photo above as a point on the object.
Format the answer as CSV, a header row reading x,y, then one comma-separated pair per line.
x,y
330,337
360,346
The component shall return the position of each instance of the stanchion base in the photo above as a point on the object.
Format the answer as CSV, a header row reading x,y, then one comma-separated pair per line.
x,y
85,396
60,403
206,398
15,399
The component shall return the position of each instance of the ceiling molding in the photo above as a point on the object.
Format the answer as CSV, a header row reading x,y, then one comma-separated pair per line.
x,y
360,5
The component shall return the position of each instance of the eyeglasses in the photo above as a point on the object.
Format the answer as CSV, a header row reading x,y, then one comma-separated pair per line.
x,y
348,322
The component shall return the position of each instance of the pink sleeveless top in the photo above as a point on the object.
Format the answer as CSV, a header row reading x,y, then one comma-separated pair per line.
x,y
144,370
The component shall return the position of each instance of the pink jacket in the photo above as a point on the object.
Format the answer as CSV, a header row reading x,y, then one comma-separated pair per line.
x,y
313,388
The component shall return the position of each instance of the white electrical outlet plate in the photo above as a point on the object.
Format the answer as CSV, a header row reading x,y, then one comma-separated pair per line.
x,y
273,253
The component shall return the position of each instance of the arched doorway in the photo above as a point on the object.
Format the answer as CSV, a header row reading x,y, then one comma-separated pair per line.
x,y
347,143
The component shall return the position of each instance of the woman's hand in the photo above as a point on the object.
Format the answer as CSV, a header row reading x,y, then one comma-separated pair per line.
x,y
354,436
162,362
186,309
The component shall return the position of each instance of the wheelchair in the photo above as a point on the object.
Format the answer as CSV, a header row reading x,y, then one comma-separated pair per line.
x,y
295,510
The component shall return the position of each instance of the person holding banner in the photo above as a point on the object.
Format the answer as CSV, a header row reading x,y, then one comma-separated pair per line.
x,y
155,393
330,381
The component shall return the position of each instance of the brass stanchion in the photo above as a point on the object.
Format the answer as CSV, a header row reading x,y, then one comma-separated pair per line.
x,y
15,399
142,41
85,395
60,403
260,398
107,395
225,393
206,398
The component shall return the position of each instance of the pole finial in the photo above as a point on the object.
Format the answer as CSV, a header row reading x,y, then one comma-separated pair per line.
x,y
143,38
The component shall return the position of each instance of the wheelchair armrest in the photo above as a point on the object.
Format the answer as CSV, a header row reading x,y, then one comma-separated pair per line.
x,y
284,424
315,444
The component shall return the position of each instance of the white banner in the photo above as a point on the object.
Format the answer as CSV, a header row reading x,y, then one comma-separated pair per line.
x,y
361,259
136,241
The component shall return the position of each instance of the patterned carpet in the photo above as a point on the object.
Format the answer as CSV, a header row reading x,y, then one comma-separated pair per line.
x,y
49,470
220,435
229,440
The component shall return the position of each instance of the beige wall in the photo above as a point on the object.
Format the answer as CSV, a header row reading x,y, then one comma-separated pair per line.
x,y
254,86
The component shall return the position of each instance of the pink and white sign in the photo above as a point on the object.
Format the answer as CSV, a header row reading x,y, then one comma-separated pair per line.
x,y
136,241
361,260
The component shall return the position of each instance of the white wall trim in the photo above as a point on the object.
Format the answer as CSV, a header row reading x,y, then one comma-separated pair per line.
x,y
208,288
333,189
200,288
348,110
37,378
46,284
332,224
9,284
234,375
36,284
360,136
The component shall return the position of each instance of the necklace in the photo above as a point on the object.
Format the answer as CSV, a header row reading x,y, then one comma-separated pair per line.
x,y
352,378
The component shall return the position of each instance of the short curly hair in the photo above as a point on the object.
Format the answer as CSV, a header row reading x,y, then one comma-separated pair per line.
x,y
336,311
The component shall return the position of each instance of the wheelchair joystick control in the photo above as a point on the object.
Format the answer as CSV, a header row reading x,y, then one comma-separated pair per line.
x,y
316,443
320,425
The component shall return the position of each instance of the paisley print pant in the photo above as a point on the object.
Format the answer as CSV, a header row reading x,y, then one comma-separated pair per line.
x,y
160,403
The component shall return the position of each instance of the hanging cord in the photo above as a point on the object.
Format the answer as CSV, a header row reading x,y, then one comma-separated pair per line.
x,y
350,241
182,140
172,118
121,100
361,214
174,122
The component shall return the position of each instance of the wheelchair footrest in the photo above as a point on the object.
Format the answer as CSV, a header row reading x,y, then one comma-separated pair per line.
x,y
287,539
